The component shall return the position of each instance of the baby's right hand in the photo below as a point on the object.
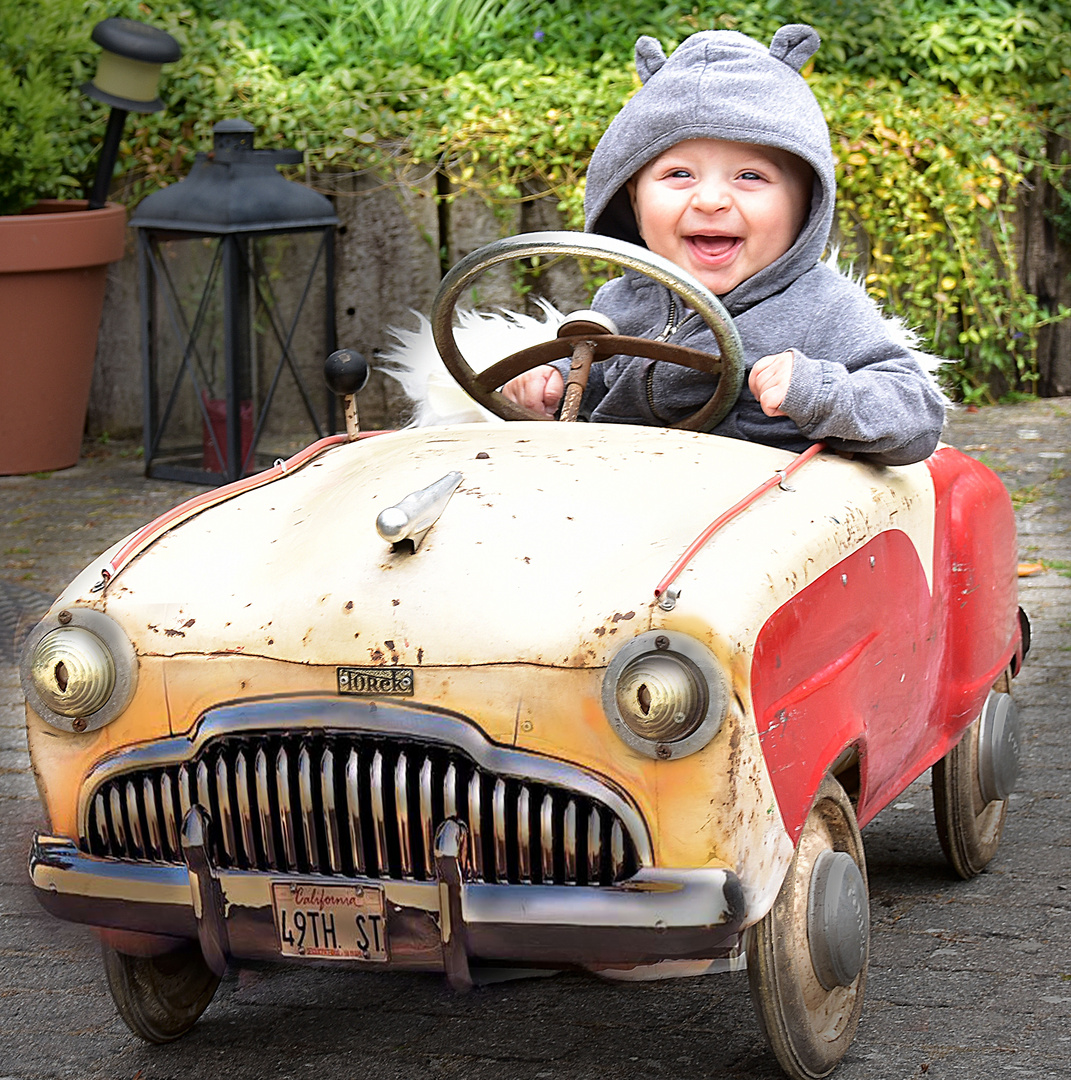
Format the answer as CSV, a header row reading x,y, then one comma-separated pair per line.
x,y
769,381
539,389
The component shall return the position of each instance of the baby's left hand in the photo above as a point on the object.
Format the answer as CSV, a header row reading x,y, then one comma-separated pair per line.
x,y
769,381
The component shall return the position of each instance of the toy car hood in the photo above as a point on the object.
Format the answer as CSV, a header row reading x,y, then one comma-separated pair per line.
x,y
547,553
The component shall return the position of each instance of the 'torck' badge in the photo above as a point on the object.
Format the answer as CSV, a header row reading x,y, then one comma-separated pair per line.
x,y
374,681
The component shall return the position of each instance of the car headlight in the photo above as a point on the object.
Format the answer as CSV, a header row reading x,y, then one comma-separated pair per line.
x,y
78,670
665,694
73,671
660,697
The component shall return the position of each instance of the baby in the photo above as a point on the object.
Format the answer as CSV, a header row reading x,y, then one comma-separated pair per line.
x,y
722,164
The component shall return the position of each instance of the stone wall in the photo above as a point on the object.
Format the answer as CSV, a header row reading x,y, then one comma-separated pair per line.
x,y
116,397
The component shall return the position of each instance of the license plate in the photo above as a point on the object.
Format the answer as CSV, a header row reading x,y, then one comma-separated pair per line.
x,y
330,922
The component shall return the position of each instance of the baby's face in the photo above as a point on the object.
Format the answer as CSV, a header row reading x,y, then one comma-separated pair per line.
x,y
721,210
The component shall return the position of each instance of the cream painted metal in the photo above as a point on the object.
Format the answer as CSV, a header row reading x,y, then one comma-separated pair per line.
x,y
517,557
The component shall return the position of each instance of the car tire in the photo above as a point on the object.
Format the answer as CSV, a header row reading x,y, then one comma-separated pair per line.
x,y
968,827
810,1026
160,997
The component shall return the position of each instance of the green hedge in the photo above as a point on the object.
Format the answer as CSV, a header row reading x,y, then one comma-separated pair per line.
x,y
938,111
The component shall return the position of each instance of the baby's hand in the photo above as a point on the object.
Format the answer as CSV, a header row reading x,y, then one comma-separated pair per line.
x,y
539,389
769,381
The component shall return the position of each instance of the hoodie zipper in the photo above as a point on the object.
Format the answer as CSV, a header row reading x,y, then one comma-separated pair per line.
x,y
671,327
671,323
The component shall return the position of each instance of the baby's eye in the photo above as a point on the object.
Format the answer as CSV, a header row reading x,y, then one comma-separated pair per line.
x,y
678,174
750,174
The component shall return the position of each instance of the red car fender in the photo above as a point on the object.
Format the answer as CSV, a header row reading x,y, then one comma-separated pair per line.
x,y
868,656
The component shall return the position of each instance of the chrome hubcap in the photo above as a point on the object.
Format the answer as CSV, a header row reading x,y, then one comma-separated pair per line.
x,y
999,739
838,919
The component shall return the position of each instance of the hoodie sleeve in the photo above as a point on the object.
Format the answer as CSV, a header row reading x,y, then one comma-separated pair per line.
x,y
858,388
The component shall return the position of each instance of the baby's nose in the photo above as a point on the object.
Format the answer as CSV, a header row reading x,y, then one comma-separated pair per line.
x,y
711,195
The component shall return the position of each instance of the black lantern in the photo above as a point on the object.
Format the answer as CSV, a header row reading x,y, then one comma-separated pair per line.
x,y
236,270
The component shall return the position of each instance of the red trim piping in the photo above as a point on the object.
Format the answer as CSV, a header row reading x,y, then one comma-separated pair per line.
x,y
178,514
692,550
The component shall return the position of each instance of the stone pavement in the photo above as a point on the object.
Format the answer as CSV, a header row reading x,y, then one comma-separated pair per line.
x,y
968,980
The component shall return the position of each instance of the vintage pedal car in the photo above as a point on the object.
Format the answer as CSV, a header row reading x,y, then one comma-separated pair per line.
x,y
590,696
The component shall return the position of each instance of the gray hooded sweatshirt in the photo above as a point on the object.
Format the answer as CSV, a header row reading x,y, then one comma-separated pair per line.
x,y
852,385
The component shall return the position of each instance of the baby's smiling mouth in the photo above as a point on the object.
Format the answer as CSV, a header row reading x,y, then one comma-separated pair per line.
x,y
713,247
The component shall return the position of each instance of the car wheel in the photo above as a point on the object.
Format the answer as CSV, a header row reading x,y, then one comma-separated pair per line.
x,y
972,782
807,958
160,997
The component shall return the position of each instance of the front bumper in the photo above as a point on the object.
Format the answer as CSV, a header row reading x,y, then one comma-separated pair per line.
x,y
435,925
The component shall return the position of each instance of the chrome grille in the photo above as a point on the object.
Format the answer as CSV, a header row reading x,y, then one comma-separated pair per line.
x,y
346,804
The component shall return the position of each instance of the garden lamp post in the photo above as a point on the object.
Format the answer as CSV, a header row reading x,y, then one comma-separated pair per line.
x,y
236,274
132,55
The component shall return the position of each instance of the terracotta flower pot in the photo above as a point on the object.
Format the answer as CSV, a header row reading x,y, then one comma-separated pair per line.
x,y
53,265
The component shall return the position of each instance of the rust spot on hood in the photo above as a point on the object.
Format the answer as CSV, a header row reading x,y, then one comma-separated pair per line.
x,y
618,617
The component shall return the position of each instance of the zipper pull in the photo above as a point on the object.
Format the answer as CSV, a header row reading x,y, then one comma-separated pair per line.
x,y
671,322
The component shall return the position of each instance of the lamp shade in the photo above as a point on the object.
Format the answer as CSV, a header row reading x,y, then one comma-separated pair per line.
x,y
129,70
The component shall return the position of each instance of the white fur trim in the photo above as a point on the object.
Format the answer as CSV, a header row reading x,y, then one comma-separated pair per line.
x,y
483,338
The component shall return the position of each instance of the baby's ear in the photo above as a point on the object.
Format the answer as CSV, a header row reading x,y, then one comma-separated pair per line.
x,y
649,57
795,44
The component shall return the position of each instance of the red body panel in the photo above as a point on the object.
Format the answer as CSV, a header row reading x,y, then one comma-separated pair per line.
x,y
867,656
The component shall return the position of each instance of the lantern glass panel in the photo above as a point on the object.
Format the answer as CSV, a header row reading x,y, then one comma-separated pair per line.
x,y
239,326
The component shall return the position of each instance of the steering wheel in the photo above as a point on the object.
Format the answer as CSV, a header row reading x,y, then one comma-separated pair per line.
x,y
600,344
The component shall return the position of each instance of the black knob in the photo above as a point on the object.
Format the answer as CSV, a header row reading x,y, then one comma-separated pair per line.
x,y
345,372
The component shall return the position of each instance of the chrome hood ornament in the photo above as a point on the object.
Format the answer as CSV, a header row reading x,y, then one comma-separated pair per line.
x,y
411,518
